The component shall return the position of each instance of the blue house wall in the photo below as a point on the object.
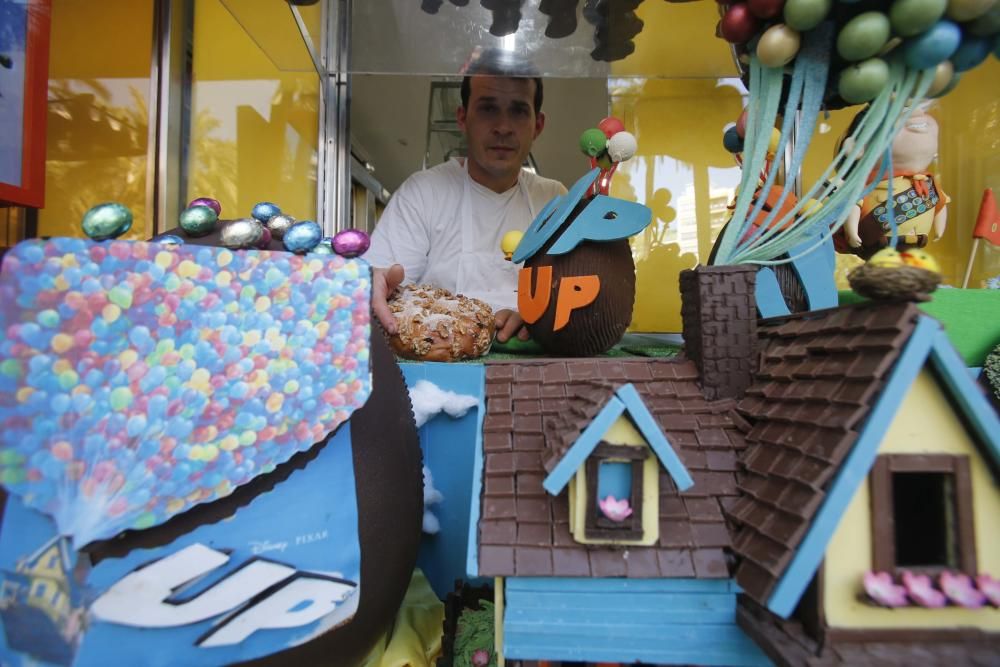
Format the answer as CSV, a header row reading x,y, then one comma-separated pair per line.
x,y
658,621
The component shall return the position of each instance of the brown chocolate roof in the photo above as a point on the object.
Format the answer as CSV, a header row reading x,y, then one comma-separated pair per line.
x,y
534,412
819,373
788,644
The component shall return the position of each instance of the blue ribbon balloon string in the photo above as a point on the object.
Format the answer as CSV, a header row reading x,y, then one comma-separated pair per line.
x,y
858,160
808,83
765,96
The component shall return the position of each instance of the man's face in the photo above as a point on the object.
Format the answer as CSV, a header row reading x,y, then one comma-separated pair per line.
x,y
499,124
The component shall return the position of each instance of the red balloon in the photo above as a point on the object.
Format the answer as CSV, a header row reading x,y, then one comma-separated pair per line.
x,y
766,9
611,126
741,125
739,25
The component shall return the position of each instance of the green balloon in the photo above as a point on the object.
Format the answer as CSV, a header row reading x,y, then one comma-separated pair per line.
x,y
198,220
593,142
861,82
107,221
912,17
804,15
863,36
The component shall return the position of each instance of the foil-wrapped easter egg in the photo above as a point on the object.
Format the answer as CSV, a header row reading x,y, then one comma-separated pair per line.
x,y
198,220
622,146
264,211
279,224
107,221
209,202
324,247
351,243
169,239
302,236
241,234
265,238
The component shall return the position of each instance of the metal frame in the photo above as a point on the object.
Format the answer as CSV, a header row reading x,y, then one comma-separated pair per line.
x,y
169,112
333,177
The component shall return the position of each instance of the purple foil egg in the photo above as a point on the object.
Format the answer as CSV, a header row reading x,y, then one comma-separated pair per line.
x,y
265,240
209,202
351,243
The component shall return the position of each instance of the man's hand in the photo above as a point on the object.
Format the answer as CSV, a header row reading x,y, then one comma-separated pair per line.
x,y
384,283
508,324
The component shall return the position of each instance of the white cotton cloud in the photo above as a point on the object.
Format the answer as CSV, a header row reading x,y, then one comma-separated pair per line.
x,y
431,497
428,400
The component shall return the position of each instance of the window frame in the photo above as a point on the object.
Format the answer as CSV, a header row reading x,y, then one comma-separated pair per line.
x,y
883,510
597,526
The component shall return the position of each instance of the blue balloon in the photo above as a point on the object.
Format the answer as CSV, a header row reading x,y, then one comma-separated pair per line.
x,y
732,141
970,53
933,47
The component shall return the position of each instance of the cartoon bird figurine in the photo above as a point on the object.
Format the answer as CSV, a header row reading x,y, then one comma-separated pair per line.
x,y
910,275
509,242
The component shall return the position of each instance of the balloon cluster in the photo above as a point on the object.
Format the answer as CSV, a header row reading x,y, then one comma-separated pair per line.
x,y
607,146
137,381
950,36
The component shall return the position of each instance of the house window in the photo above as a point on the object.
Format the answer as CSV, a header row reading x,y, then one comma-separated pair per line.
x,y
922,513
614,492
39,589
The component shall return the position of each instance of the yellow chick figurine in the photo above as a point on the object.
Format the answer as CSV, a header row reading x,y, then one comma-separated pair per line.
x,y
919,258
509,243
886,258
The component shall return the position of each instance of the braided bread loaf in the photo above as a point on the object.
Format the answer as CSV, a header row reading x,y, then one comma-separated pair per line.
x,y
435,325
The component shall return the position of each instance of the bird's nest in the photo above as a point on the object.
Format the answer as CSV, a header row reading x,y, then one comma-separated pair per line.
x,y
896,283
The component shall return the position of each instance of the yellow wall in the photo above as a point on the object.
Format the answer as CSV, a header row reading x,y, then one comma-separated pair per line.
x,y
254,127
622,432
926,423
98,119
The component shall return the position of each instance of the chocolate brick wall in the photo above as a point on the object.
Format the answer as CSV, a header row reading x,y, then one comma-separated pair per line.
x,y
719,313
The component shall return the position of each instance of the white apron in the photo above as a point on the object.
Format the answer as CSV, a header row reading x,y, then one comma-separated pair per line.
x,y
481,271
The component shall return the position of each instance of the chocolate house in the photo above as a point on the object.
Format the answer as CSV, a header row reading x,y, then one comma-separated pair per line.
x,y
734,505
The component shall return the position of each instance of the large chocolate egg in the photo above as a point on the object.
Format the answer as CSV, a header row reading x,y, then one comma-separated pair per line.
x,y
598,325
241,234
107,221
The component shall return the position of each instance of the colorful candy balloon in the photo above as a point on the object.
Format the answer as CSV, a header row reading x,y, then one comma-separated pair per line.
x,y
593,142
863,36
778,46
611,126
805,15
934,46
738,24
861,82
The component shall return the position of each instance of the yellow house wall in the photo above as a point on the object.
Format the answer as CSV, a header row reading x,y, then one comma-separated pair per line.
x,y
926,423
622,432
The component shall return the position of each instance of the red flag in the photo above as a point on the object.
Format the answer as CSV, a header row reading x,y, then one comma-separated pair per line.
x,y
988,223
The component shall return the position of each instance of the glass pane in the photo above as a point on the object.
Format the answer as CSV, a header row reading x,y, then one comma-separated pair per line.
x,y
272,27
560,37
254,127
98,113
683,174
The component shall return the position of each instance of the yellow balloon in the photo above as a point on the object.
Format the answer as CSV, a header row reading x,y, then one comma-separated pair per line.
x,y
510,241
772,144
811,206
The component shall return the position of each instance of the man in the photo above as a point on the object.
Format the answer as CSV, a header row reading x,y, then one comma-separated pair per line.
x,y
443,226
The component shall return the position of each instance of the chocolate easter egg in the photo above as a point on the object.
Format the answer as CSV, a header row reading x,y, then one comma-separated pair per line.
x,y
209,202
569,326
279,224
350,243
107,221
264,211
302,236
241,234
198,221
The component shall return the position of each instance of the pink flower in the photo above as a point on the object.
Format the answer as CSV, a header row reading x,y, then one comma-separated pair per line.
x,y
959,589
481,658
989,587
616,510
881,589
921,590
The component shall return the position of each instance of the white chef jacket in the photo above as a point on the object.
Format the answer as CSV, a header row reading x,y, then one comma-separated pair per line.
x,y
445,229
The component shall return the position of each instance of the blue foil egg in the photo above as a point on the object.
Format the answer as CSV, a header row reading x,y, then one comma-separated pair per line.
x,y
169,239
265,210
302,237
107,221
